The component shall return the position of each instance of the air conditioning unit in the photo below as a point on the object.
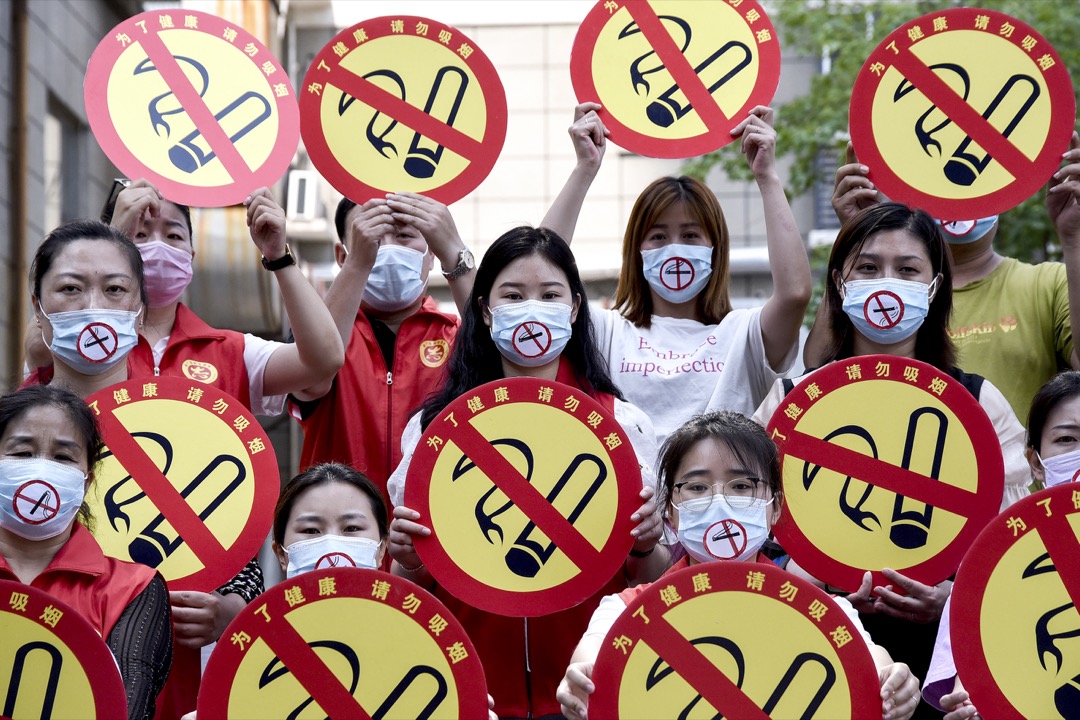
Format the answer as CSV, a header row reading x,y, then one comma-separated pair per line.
x,y
302,199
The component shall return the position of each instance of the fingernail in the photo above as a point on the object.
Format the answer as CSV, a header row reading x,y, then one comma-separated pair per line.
x,y
864,168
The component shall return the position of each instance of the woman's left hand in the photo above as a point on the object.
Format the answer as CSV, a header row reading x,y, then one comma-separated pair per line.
x,y
922,603
199,618
899,692
650,525
758,141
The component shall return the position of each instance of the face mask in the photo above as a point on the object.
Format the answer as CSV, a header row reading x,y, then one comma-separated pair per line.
x,y
327,551
962,232
710,529
1062,468
531,333
93,341
887,311
39,497
396,280
166,272
677,272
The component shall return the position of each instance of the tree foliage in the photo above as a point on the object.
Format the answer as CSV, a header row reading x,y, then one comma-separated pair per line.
x,y
844,33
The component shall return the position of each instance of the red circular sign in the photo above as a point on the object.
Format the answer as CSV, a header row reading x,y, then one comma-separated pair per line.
x,y
701,54
887,462
883,309
531,339
97,342
333,560
570,478
677,273
36,502
1014,609
725,540
41,634
173,446
356,643
199,135
950,79
678,644
345,77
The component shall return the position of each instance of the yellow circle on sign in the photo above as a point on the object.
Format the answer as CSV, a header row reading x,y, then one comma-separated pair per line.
x,y
629,75
1007,605
764,662
918,139
204,461
898,411
151,123
374,678
559,446
361,137
23,639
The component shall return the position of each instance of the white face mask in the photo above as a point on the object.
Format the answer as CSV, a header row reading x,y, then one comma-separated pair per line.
x,y
531,333
1060,469
39,497
327,551
711,529
396,280
677,272
887,311
962,232
94,340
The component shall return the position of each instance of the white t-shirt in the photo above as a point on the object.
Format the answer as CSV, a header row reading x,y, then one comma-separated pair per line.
x,y
679,368
257,352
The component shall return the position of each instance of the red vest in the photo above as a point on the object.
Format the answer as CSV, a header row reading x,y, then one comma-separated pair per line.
x,y
361,420
99,587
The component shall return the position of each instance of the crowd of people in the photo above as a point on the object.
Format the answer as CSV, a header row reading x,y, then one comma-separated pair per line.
x,y
374,362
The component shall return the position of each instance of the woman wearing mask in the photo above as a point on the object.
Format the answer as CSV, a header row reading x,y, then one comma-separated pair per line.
x,y
674,344
1053,453
703,480
890,247
527,275
48,433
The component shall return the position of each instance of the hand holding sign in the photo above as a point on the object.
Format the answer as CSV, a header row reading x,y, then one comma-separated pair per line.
x,y
589,135
1063,196
266,222
852,189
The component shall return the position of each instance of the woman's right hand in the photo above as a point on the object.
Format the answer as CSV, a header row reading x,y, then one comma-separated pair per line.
x,y
575,689
373,222
589,136
958,706
852,189
402,529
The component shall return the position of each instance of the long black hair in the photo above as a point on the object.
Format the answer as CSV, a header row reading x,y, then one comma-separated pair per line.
x,y
476,360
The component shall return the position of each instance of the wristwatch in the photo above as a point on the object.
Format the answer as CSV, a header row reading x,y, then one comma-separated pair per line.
x,y
282,262
465,263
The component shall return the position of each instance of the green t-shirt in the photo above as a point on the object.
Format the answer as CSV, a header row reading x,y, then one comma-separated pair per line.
x,y
1012,327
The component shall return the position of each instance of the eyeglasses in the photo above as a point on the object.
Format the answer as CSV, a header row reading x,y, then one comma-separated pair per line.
x,y
739,492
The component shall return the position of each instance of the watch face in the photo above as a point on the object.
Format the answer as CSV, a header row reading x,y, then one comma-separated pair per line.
x,y
467,258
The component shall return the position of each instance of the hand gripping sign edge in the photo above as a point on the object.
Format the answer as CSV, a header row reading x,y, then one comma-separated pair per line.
x,y
644,621
244,178
601,563
977,506
75,633
219,563
718,133
326,68
267,620
1032,173
1058,536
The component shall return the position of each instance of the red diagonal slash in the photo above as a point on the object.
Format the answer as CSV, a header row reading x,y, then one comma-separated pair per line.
x,y
160,491
966,117
696,669
196,109
311,672
392,106
879,473
527,498
1059,537
677,64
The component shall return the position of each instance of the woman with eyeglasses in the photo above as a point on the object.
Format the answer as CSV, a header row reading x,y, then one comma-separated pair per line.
x,y
718,466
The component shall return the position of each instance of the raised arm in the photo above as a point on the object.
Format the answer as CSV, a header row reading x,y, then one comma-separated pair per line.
x,y
318,352
1063,204
782,315
590,143
433,220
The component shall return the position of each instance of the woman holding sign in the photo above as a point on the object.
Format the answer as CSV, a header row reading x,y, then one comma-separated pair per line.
x,y
49,437
527,275
703,472
674,344
890,248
